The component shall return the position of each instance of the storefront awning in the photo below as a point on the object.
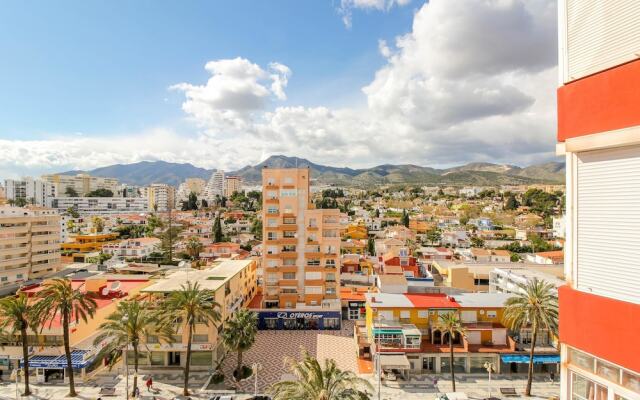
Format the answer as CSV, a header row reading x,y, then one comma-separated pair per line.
x,y
394,361
58,362
383,331
537,359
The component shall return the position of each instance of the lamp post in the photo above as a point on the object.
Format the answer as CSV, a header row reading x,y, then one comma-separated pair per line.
x,y
256,367
489,366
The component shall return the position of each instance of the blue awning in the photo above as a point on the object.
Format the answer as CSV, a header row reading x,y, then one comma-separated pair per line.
x,y
59,362
537,359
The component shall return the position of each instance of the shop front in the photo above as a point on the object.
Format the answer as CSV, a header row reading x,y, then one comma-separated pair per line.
x,y
299,320
52,369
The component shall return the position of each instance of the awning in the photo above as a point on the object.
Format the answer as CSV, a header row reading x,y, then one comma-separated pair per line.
x,y
59,362
384,331
394,361
537,359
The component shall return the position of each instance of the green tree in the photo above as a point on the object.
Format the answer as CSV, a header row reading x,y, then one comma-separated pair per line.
x,y
129,325
100,193
217,229
192,305
434,236
58,299
194,247
73,212
535,306
256,228
317,382
17,317
404,220
512,203
70,192
371,247
98,223
239,335
477,242
450,324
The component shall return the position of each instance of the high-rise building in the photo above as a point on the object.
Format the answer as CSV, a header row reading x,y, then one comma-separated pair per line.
x,y
301,256
190,185
160,197
599,133
82,184
29,243
232,184
29,191
215,186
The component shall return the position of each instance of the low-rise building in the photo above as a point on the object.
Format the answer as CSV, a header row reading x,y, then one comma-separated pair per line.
x,y
101,205
554,257
133,248
485,255
83,244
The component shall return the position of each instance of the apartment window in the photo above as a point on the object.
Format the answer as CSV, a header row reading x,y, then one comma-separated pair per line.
x,y
289,262
331,277
273,263
4,279
288,180
272,223
313,222
272,236
289,234
581,360
330,290
289,291
585,389
423,313
313,289
288,193
313,262
330,262
272,194
404,314
312,275
151,339
289,220
20,276
200,338
492,314
272,250
289,275
272,210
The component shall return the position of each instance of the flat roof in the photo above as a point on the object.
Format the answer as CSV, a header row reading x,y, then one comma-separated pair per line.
x,y
208,279
388,300
490,300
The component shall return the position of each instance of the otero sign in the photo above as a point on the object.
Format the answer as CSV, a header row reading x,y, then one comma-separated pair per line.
x,y
306,315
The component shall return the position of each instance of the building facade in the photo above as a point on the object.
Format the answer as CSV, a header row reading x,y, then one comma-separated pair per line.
x,y
29,244
101,205
215,186
29,191
82,184
232,184
160,197
301,256
599,134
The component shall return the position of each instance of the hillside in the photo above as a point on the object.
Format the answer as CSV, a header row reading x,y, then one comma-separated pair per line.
x,y
147,172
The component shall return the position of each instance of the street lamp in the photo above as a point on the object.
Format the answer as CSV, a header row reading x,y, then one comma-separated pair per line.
x,y
490,367
256,367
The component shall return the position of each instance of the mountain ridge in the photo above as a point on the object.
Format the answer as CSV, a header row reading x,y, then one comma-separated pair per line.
x,y
476,173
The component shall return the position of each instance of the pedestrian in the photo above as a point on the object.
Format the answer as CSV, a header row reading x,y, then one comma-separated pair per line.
x,y
136,392
149,383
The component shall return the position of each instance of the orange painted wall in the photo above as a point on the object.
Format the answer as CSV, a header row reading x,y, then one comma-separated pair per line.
x,y
601,326
602,102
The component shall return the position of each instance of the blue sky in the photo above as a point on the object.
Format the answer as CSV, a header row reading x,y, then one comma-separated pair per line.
x,y
223,84
104,66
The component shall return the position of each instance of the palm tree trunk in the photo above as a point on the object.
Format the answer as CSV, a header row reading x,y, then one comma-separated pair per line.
x,y
453,375
239,367
186,368
25,357
67,353
534,337
135,368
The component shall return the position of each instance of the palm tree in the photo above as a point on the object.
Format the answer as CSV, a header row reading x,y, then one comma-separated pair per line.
x,y
194,247
240,334
535,306
132,322
58,299
191,305
450,324
17,316
317,383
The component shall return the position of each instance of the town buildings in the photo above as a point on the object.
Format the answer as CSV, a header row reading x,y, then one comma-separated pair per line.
x,y
160,197
190,185
215,186
599,134
232,184
29,244
82,184
132,248
101,205
301,254
29,191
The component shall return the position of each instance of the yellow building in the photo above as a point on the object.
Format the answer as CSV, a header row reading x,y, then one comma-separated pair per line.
x,y
301,245
403,332
29,243
354,231
234,285
354,247
85,244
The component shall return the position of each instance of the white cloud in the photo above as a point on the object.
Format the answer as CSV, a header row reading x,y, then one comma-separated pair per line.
x,y
474,80
347,6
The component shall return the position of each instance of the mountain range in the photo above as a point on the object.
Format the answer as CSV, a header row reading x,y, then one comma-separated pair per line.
x,y
481,174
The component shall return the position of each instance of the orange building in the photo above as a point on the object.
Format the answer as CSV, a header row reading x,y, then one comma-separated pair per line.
x,y
301,256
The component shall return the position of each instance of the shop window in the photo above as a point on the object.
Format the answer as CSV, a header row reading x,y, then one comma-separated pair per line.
x,y
271,323
201,357
331,323
200,338
459,364
476,364
157,358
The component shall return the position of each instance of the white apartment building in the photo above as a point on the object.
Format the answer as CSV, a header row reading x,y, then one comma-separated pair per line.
x,y
132,248
559,227
101,205
29,243
506,280
32,191
160,197
215,186
81,183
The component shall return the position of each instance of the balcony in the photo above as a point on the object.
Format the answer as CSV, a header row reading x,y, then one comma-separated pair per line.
x,y
287,282
272,200
289,254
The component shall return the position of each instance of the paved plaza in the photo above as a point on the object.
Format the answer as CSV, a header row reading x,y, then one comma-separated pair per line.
x,y
271,350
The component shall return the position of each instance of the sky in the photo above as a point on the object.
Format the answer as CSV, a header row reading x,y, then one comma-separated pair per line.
x,y
228,83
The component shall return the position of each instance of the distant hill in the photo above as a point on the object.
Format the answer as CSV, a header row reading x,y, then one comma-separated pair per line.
x,y
147,172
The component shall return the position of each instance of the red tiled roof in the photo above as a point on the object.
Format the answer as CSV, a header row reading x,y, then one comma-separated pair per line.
x,y
432,300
